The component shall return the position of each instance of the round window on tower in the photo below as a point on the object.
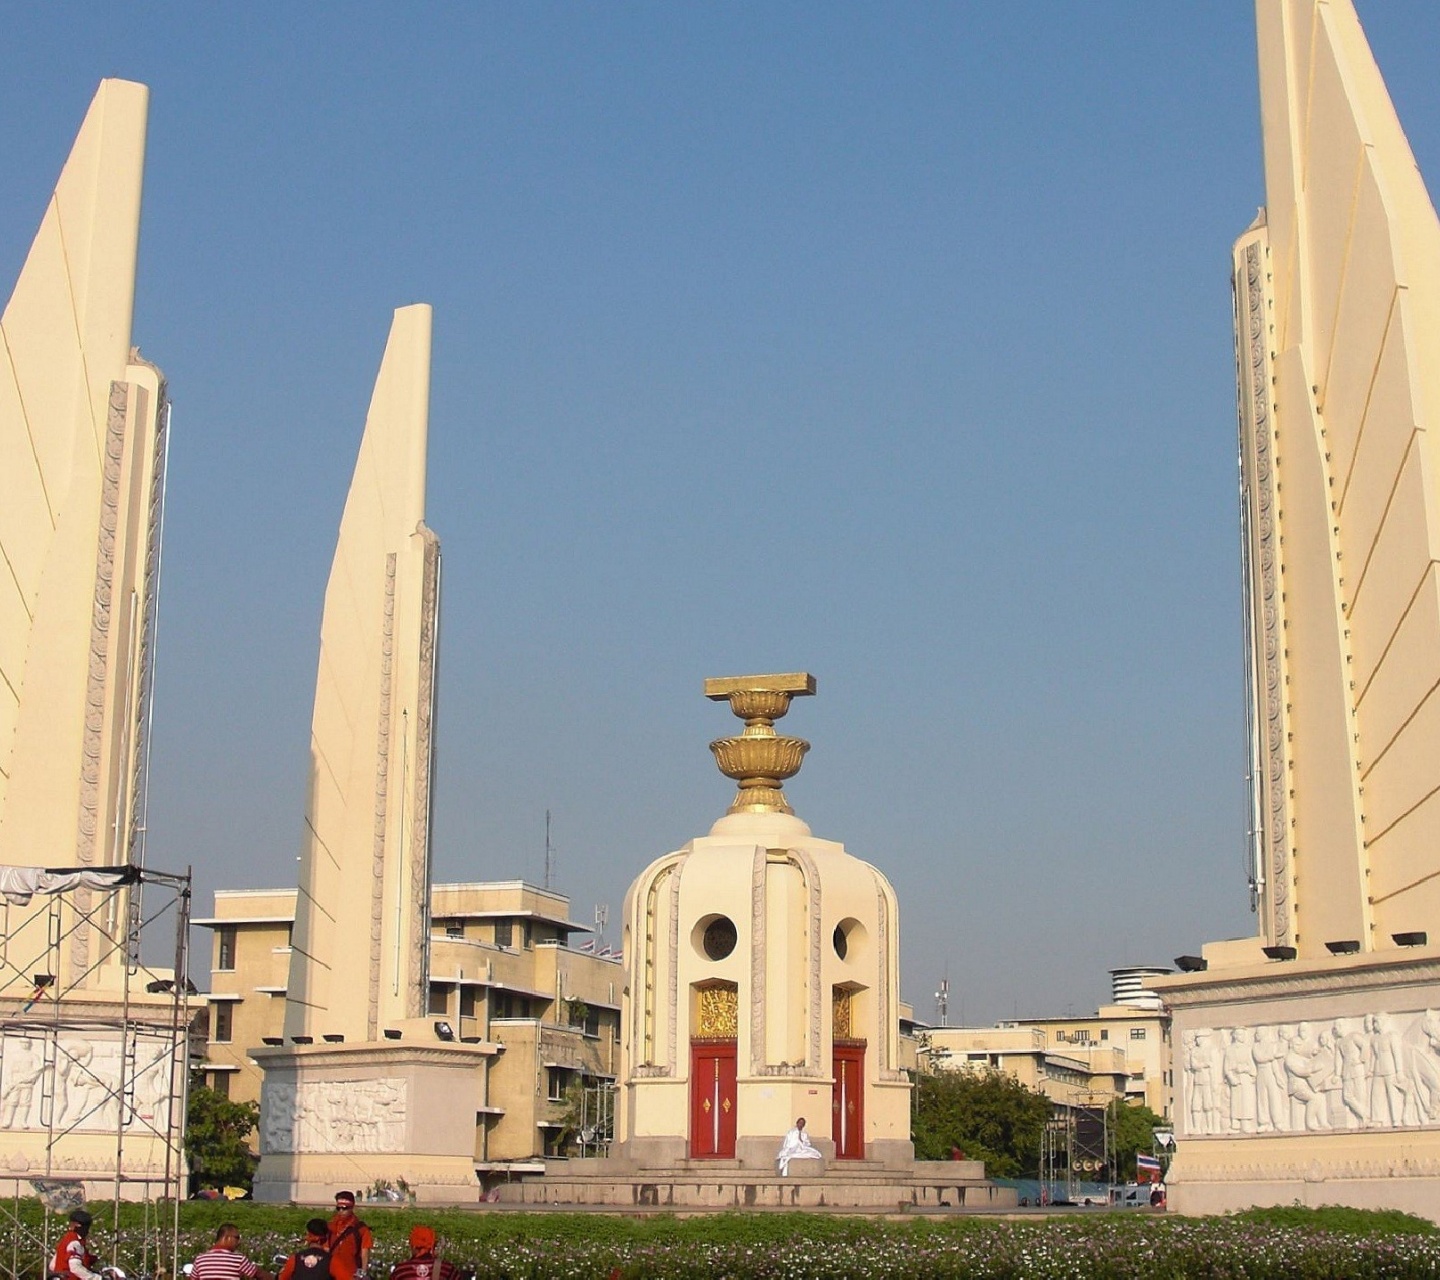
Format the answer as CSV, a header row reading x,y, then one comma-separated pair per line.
x,y
719,937
848,939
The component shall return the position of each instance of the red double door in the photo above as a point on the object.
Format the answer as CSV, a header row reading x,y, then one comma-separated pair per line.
x,y
712,1100
847,1102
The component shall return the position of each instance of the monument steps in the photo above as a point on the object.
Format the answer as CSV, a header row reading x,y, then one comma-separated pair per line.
x,y
729,1184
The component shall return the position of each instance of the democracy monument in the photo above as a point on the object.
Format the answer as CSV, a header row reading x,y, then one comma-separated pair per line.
x,y
1308,1057
761,973
92,1040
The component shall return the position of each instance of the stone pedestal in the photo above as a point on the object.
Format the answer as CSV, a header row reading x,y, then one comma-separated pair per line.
x,y
348,1116
1308,1080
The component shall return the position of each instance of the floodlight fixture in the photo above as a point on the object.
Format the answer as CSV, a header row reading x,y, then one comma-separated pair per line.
x,y
1415,938
302,1039
1345,947
272,1040
444,1031
334,1037
1280,953
1191,964
391,1033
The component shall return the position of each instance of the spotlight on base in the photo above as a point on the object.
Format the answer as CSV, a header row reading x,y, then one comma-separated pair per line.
x,y
1415,938
444,1031
1280,953
1191,964
1345,947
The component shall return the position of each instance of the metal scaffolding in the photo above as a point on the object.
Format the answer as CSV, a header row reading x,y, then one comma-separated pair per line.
x,y
94,1057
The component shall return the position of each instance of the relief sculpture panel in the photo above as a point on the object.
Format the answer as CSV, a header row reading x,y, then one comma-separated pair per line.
x,y
1374,1071
75,1083
334,1115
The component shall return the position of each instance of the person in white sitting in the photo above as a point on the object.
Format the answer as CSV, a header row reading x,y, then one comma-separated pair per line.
x,y
795,1146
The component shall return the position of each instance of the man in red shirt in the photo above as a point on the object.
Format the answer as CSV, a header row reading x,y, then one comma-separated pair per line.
x,y
422,1263
72,1255
350,1241
224,1261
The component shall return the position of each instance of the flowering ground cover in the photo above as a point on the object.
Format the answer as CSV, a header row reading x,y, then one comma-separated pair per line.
x,y
1278,1244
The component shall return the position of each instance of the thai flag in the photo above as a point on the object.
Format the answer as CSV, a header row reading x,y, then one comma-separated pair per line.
x,y
1147,1168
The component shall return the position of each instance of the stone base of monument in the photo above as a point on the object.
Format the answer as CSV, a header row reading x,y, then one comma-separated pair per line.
x,y
368,1117
1311,1080
1383,1170
866,1185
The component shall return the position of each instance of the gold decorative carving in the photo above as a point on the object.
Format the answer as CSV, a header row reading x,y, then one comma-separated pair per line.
x,y
759,759
718,1012
842,1004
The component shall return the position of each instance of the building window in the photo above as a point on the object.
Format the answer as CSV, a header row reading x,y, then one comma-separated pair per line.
x,y
225,948
529,935
220,1082
503,933
454,928
467,1002
222,1025
439,1000
1104,1035
556,1078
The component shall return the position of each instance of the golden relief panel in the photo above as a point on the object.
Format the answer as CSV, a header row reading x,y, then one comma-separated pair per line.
x,y
718,1012
842,1020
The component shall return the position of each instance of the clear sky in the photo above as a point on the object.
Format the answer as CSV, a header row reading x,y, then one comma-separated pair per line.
x,y
888,342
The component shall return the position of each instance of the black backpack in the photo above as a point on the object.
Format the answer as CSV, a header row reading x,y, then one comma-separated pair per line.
x,y
312,1263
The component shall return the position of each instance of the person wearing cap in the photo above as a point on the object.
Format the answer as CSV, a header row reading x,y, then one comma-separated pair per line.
x,y
72,1254
311,1261
422,1264
349,1241
224,1261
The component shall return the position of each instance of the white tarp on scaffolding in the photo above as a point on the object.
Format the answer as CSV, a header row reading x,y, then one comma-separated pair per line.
x,y
19,884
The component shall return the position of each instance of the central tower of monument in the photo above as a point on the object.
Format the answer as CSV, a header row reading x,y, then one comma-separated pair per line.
x,y
761,975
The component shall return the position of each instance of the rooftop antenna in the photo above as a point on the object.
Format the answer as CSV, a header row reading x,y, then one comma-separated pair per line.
x,y
942,999
602,918
549,851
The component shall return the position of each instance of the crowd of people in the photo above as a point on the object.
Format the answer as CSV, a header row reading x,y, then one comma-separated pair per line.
x,y
335,1249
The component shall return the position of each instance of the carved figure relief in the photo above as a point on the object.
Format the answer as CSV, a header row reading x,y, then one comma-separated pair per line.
x,y
1380,1071
86,1075
334,1115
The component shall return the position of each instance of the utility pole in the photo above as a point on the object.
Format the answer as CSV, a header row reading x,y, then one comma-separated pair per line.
x,y
549,851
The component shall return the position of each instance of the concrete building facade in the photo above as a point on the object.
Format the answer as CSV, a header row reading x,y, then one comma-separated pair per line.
x,y
502,973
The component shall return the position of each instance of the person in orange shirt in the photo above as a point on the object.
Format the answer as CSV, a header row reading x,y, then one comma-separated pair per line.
x,y
350,1241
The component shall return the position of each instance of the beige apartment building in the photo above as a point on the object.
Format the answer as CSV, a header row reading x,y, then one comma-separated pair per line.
x,y
1121,1051
1087,1075
501,972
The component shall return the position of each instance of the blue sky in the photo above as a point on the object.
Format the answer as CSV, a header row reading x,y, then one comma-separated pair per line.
x,y
887,342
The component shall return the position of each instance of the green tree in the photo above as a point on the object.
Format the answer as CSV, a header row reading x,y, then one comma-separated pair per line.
x,y
988,1115
1132,1129
216,1138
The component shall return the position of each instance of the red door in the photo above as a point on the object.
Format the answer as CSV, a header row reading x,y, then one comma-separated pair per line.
x,y
712,1100
847,1102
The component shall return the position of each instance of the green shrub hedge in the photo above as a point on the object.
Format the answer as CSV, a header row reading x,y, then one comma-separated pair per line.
x,y
1283,1244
